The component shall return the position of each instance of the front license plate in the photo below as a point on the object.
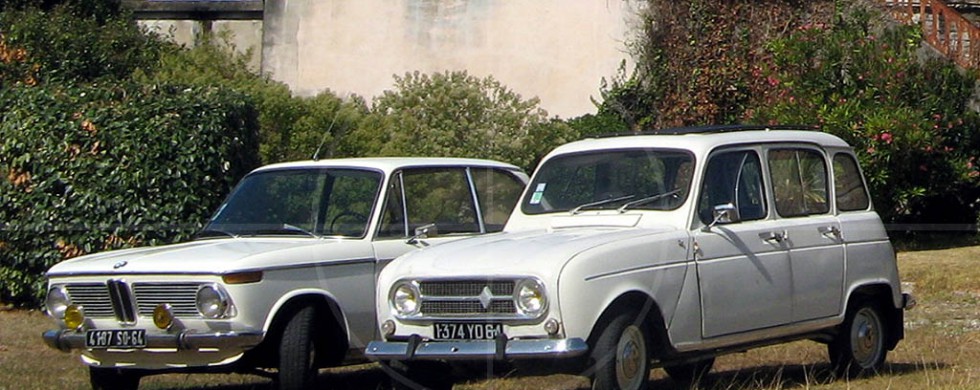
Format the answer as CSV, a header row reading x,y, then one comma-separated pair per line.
x,y
466,331
116,338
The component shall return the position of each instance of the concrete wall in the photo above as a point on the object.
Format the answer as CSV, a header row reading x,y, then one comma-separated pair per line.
x,y
557,50
244,35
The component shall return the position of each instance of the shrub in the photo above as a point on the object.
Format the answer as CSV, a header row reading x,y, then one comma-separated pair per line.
x,y
91,168
455,114
909,119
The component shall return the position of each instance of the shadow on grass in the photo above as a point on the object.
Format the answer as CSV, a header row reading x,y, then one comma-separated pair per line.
x,y
768,377
786,376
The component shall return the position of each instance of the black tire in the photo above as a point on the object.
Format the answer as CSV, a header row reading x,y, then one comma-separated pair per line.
x,y
113,378
621,355
298,351
690,373
859,348
419,375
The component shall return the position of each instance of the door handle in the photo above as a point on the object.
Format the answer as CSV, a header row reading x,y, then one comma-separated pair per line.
x,y
773,236
830,231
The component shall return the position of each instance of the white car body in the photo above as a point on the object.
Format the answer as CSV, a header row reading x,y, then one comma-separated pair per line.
x,y
698,287
266,277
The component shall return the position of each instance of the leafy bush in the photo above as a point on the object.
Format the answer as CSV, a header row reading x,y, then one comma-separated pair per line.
x,y
455,114
862,78
292,128
71,44
91,168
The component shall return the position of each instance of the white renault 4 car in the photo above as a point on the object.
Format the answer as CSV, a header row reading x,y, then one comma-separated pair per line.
x,y
658,250
282,277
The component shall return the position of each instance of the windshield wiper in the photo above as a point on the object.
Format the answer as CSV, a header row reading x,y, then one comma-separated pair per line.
x,y
622,209
207,233
578,209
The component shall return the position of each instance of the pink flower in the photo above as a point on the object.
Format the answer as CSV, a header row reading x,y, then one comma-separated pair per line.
x,y
772,81
871,150
886,137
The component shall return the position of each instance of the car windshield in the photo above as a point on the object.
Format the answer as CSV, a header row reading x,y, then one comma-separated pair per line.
x,y
649,179
298,202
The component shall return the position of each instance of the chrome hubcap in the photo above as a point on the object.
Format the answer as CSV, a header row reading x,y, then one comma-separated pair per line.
x,y
630,355
866,339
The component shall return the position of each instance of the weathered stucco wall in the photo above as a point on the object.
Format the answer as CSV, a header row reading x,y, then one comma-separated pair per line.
x,y
244,35
557,50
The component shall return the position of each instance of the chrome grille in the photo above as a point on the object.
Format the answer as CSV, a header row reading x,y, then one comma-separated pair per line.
x,y
467,298
92,297
464,288
113,299
182,298
467,308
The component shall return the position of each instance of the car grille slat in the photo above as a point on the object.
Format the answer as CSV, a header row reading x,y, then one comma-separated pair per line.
x,y
182,298
114,299
462,298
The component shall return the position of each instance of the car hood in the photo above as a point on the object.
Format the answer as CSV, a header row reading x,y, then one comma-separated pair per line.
x,y
539,253
216,256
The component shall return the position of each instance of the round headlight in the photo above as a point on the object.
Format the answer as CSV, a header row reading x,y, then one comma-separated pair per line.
x,y
405,299
57,301
212,301
530,297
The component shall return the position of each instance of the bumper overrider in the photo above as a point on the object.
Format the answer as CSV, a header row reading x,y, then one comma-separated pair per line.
x,y
418,348
66,340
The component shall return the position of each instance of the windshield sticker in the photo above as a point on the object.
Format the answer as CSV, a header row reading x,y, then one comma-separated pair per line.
x,y
538,193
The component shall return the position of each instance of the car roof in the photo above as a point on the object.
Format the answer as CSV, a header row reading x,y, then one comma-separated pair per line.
x,y
389,164
704,140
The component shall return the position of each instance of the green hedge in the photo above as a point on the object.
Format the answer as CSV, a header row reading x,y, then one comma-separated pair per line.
x,y
91,168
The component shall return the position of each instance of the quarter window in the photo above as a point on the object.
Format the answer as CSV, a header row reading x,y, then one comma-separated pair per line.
x,y
799,182
498,192
734,178
849,188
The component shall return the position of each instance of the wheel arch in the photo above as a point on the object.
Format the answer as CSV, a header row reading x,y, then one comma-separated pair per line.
x,y
331,327
649,313
881,294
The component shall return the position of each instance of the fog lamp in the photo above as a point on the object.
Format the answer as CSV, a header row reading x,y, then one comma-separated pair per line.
x,y
163,316
74,317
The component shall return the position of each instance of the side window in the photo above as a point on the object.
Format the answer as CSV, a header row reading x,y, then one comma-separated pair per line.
x,y
497,192
393,215
799,182
736,178
849,188
432,195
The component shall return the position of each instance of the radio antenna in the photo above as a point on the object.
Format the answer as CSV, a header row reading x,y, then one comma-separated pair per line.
x,y
316,154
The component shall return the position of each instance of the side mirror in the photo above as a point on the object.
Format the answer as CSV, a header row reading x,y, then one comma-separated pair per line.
x,y
423,232
723,214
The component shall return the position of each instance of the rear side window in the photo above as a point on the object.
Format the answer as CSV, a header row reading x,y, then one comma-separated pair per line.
x,y
799,182
850,192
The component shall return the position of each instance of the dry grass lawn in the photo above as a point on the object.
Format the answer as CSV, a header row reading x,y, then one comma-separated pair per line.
x,y
941,350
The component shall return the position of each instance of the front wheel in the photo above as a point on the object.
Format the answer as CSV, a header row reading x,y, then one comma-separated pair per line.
x,y
622,354
113,379
859,349
297,352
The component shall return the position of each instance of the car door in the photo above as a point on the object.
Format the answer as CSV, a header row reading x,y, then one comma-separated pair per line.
x,y
742,261
801,193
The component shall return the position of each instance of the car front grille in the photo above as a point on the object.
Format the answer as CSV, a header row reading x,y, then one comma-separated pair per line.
x,y
122,301
466,299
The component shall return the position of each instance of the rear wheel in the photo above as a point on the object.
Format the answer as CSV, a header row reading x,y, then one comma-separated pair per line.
x,y
298,351
859,348
689,373
113,379
621,354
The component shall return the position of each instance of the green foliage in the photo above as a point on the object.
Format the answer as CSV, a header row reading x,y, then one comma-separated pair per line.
x,y
88,168
908,118
455,114
292,128
70,45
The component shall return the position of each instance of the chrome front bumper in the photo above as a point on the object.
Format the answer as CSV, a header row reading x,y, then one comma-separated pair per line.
x,y
416,348
66,340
